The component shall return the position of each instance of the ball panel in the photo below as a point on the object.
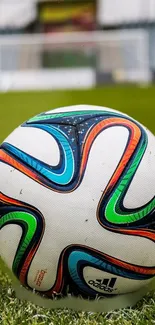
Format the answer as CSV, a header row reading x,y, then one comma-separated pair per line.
x,y
141,190
36,143
9,241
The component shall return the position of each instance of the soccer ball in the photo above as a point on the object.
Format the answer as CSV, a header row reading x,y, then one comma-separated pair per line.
x,y
77,203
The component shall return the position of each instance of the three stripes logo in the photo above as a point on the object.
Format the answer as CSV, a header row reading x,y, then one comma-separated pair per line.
x,y
106,285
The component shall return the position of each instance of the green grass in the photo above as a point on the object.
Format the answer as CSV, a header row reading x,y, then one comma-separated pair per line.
x,y
16,108
16,312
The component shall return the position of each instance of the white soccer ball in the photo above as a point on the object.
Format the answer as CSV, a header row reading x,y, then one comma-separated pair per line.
x,y
77,202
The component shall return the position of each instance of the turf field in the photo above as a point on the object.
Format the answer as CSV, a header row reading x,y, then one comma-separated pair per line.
x,y
16,108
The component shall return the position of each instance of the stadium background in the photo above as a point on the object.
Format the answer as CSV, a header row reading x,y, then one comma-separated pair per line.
x,y
76,44
57,53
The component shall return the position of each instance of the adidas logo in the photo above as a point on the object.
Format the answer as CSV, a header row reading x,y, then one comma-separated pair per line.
x,y
106,285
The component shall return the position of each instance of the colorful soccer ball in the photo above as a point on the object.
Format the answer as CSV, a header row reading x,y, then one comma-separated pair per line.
x,y
77,203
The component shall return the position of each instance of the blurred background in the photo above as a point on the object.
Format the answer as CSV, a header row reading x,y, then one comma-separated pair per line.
x,y
93,51
76,44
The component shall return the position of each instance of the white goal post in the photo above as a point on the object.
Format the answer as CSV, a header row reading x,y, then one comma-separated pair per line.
x,y
73,60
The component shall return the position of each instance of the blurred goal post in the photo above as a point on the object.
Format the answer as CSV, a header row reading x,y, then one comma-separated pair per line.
x,y
74,60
